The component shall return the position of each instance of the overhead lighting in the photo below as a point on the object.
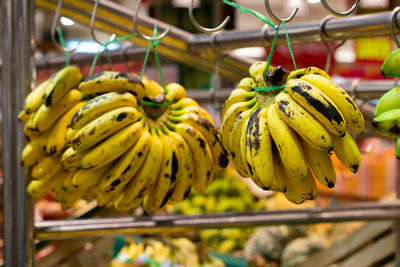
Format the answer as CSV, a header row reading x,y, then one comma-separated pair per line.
x,y
89,46
313,1
66,21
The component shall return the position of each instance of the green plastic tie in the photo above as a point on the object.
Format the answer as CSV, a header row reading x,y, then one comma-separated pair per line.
x,y
96,57
289,46
271,52
66,51
269,88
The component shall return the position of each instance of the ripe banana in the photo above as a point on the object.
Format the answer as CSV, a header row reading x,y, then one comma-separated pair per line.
x,y
183,103
161,190
321,164
175,92
46,116
388,123
351,113
347,152
288,145
112,81
303,122
38,188
390,67
23,116
296,74
47,166
141,183
83,179
60,83
388,101
201,153
299,190
101,105
192,109
243,152
104,126
229,119
247,83
31,153
257,70
318,104
71,158
112,147
124,169
185,172
237,95
259,148
69,135
35,98
56,136
279,182
210,133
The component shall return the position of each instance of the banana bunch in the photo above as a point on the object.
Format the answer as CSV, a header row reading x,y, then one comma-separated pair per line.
x,y
282,139
387,111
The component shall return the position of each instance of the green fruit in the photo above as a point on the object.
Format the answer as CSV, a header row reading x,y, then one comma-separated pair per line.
x,y
390,67
388,123
398,148
388,101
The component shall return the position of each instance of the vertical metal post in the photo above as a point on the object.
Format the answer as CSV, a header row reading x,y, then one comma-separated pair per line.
x,y
16,54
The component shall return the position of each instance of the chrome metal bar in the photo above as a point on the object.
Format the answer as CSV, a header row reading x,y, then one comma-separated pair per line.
x,y
113,18
173,223
15,81
361,26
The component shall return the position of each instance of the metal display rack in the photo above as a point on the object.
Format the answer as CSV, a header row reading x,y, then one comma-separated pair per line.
x,y
197,50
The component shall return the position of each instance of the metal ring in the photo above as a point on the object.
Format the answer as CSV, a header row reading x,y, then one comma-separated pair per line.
x,y
92,20
139,32
340,14
392,21
201,28
53,30
278,20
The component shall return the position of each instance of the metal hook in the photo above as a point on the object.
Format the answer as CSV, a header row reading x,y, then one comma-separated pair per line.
x,y
278,20
92,20
53,30
139,32
340,14
392,21
216,81
323,34
204,29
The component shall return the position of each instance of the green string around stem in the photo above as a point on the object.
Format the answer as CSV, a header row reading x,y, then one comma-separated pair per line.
x,y
288,43
269,88
66,51
96,57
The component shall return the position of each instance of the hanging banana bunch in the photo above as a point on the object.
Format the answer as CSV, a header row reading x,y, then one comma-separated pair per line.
x,y
283,139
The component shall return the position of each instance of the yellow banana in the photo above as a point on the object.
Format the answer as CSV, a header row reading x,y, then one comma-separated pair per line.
x,y
259,148
31,153
303,122
23,116
183,103
46,116
56,136
279,182
112,147
185,172
38,188
71,158
160,191
101,105
193,109
141,183
229,119
296,74
201,153
321,164
60,83
35,98
124,169
243,152
351,113
175,92
104,126
237,95
288,145
69,135
210,133
46,166
257,70
83,179
247,83
113,81
347,152
318,104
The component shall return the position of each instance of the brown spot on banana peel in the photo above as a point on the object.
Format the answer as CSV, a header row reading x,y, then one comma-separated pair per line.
x,y
329,183
115,183
121,116
330,112
187,193
174,167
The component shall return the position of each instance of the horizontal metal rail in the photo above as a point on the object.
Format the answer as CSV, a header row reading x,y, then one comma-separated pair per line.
x,y
173,223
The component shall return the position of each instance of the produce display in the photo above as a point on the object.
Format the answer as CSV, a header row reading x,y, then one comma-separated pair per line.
x,y
117,139
387,110
282,139
175,252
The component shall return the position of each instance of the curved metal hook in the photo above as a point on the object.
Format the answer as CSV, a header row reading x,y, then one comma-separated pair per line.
x,y
139,32
322,34
392,21
278,20
204,29
92,20
53,30
340,14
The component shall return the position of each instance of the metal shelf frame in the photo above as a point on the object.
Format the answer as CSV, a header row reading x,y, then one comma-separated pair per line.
x,y
196,50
